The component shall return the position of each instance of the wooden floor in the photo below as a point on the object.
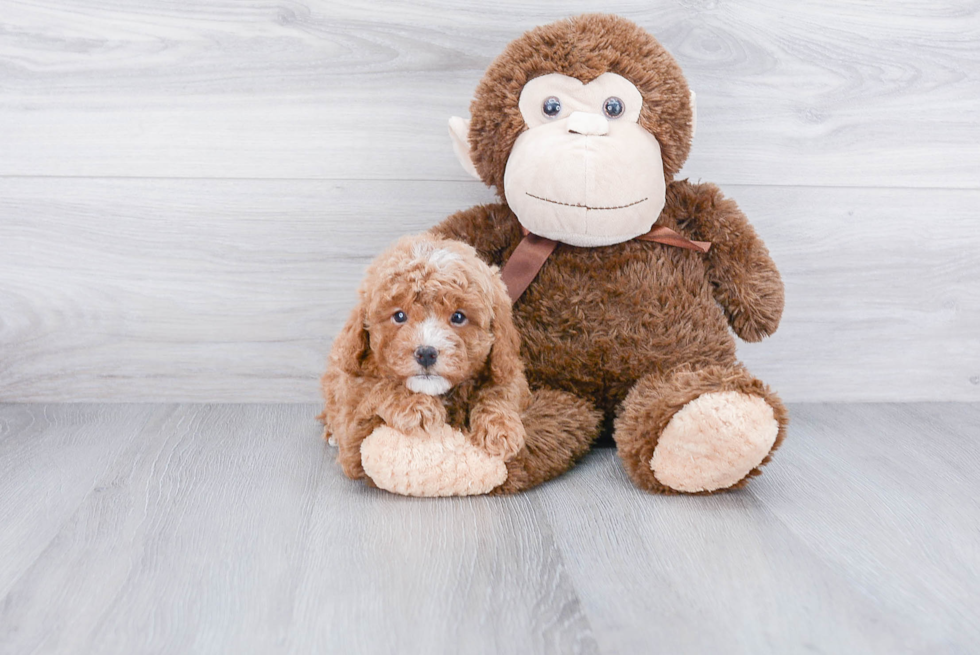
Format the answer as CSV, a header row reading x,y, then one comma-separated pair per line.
x,y
229,529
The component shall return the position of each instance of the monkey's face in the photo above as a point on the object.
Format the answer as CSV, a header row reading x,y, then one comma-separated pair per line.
x,y
584,172
579,125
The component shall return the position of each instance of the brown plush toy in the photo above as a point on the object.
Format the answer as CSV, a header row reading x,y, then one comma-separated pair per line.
x,y
581,126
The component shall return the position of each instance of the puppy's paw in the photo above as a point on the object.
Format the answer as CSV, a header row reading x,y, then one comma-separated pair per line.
x,y
425,412
349,458
501,435
352,467
432,413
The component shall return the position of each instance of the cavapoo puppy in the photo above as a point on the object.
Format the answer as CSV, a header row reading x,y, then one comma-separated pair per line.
x,y
430,343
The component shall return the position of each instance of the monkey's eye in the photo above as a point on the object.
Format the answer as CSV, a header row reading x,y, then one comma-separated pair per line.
x,y
458,318
551,107
613,107
399,317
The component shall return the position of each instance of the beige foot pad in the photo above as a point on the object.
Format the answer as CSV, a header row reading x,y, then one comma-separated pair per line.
x,y
442,463
714,441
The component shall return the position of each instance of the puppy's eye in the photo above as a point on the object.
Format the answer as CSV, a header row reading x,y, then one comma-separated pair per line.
x,y
399,317
551,107
613,107
458,318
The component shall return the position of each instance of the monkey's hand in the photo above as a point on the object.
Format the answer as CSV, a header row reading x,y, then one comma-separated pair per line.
x,y
757,311
744,279
500,433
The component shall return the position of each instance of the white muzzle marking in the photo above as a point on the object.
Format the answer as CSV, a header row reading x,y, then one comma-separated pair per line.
x,y
430,385
436,334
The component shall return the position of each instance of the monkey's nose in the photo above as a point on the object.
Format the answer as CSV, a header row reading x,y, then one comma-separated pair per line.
x,y
426,356
581,122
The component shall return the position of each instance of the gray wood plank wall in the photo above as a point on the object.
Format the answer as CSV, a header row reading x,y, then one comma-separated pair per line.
x,y
189,191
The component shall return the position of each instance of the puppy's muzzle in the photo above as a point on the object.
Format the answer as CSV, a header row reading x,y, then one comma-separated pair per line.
x,y
426,356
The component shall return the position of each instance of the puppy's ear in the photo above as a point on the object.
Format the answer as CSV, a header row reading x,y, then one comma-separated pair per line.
x,y
351,346
506,368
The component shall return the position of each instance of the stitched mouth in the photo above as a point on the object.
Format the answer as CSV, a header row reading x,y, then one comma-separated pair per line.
x,y
569,204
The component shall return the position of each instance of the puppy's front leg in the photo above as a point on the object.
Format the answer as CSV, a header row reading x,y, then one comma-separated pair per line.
x,y
498,431
407,411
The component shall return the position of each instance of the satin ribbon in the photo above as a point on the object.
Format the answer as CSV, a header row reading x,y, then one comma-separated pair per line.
x,y
533,251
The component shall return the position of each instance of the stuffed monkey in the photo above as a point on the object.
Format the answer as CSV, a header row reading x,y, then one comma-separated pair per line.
x,y
581,127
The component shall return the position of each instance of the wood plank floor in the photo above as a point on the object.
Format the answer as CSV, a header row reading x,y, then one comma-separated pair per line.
x,y
229,529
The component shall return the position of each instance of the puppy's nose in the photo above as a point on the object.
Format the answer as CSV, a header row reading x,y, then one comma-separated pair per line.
x,y
426,356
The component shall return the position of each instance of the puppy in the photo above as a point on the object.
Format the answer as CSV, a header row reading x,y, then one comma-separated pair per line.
x,y
431,342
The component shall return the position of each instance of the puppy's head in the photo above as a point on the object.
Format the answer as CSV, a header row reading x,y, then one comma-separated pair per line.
x,y
429,312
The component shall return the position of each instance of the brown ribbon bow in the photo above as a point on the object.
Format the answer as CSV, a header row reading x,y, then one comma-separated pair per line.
x,y
532,252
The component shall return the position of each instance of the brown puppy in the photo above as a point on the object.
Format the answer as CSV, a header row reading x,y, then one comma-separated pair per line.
x,y
431,342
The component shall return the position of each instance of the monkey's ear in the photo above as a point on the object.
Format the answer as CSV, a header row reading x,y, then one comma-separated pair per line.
x,y
694,113
351,345
459,131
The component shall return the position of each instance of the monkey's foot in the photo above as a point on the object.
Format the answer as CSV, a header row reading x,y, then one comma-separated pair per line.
x,y
714,441
438,463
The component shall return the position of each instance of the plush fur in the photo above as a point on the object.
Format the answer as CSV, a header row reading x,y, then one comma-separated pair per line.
x,y
636,329
560,430
438,462
372,379
656,399
584,47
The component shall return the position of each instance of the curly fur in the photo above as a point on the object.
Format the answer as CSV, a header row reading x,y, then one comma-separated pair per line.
x,y
598,321
372,359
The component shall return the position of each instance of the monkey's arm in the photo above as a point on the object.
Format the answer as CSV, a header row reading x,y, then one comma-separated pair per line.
x,y
492,229
746,282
